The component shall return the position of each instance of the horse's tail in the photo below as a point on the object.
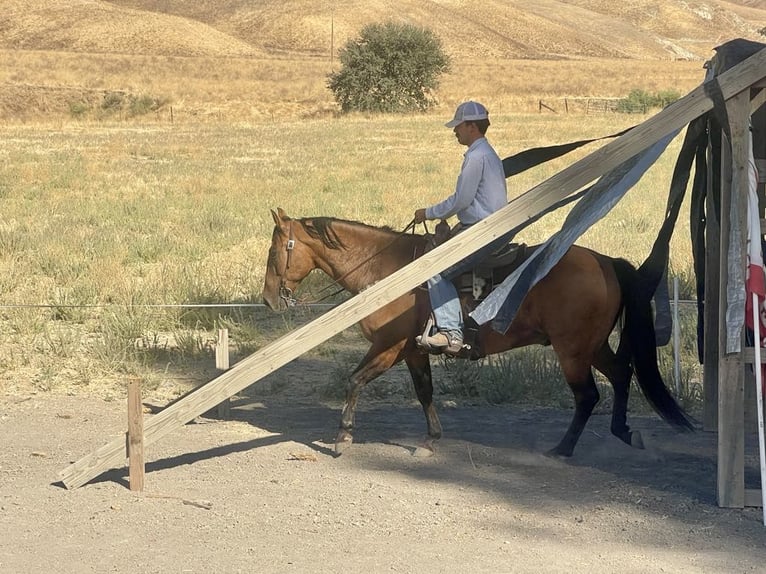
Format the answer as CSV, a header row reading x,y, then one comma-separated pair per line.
x,y
638,340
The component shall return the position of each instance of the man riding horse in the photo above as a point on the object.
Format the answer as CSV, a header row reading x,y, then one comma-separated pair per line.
x,y
479,192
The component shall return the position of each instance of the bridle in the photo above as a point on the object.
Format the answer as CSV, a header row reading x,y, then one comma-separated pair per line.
x,y
286,294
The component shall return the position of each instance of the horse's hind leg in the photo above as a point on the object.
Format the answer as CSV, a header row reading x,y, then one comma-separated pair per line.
x,y
420,369
580,380
616,367
374,364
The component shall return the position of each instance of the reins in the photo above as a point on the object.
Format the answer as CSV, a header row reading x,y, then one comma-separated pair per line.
x,y
286,294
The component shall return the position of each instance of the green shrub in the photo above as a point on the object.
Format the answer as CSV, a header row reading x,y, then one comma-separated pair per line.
x,y
132,105
113,101
389,68
640,101
143,104
78,109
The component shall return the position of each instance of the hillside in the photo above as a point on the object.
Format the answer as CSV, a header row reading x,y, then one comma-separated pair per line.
x,y
242,58
534,29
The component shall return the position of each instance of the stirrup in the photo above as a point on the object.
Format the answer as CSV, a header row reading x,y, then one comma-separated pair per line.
x,y
420,340
446,344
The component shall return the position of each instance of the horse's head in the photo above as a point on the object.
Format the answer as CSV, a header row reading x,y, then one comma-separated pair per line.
x,y
288,264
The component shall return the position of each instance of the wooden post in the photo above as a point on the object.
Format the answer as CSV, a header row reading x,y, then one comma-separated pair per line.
x,y
135,442
731,375
222,364
676,338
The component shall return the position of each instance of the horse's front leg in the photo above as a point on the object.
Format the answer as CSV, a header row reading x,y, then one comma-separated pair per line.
x,y
375,363
420,369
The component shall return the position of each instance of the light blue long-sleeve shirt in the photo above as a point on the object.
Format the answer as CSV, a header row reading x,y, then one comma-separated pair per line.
x,y
480,188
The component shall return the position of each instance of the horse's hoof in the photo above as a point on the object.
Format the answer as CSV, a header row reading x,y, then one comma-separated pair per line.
x,y
558,454
425,450
343,441
636,441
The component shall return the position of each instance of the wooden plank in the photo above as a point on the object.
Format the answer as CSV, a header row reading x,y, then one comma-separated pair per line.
x,y
748,355
753,497
760,165
294,344
757,99
135,435
731,412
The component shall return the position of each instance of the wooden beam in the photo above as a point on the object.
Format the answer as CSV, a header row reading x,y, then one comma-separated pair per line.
x,y
731,377
757,99
294,344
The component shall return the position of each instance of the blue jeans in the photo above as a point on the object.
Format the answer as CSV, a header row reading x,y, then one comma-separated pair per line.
x,y
445,301
446,305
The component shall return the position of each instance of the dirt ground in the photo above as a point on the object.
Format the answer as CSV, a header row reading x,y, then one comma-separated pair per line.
x,y
262,492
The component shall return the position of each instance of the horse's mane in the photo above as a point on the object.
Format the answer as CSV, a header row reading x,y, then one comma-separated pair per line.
x,y
321,228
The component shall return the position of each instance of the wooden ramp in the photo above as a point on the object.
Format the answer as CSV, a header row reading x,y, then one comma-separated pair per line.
x,y
539,198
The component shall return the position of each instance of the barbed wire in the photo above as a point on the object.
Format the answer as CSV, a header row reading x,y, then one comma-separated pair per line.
x,y
145,305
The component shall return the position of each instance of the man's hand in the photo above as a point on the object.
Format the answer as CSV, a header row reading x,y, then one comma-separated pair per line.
x,y
420,215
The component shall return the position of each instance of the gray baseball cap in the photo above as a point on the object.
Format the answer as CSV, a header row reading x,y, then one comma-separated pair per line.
x,y
466,112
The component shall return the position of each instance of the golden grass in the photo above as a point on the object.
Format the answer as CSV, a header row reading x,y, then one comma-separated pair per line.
x,y
42,85
128,214
118,212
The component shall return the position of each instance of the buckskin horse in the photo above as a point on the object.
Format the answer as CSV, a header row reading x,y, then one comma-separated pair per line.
x,y
574,308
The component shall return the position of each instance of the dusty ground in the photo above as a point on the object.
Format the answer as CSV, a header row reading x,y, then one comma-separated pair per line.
x,y
263,493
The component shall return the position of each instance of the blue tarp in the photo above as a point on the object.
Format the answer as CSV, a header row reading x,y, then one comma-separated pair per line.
x,y
503,303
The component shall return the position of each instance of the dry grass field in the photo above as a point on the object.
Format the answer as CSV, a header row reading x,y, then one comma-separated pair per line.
x,y
142,145
105,205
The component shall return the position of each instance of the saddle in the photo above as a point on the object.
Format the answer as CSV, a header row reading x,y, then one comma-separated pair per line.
x,y
474,285
488,272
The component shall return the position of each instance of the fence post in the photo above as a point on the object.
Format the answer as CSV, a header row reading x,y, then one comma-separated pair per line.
x,y
222,364
135,442
676,339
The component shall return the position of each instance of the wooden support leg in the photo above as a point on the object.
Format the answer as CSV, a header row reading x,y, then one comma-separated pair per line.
x,y
222,364
135,442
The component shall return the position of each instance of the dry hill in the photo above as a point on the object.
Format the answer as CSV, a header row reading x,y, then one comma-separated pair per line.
x,y
215,55
498,28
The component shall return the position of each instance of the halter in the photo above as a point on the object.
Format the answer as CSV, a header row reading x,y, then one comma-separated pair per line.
x,y
285,293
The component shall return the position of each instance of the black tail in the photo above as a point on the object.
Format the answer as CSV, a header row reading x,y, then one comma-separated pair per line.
x,y
642,346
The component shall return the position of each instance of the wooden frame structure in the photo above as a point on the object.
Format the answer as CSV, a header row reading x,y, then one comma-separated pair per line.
x,y
251,369
729,388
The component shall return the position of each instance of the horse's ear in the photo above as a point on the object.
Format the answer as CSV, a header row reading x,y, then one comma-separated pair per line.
x,y
279,216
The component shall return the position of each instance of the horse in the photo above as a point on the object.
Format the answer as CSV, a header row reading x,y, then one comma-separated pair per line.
x,y
574,309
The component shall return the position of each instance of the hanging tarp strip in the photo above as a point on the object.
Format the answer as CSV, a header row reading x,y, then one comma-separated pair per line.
x,y
501,305
522,161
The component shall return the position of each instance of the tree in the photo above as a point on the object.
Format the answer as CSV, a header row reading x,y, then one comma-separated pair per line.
x,y
389,68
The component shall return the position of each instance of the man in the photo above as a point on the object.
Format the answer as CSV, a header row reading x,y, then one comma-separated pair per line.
x,y
479,192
